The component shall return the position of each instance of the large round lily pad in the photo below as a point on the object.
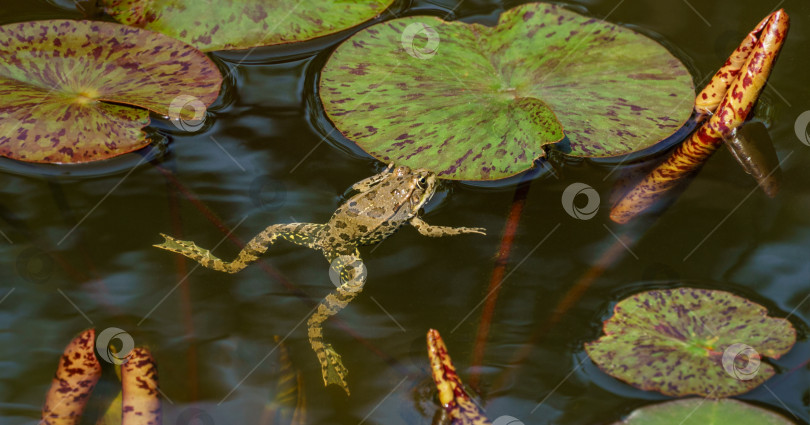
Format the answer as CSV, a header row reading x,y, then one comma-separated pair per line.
x,y
472,102
57,78
697,411
691,341
238,24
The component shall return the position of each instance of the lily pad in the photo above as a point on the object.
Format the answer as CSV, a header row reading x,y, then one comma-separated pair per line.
x,y
238,24
691,341
58,77
696,411
472,102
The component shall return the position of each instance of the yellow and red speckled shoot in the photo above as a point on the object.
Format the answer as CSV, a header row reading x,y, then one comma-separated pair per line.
x,y
139,388
742,85
710,97
76,376
458,406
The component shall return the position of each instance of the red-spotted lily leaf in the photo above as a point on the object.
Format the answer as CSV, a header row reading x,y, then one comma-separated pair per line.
x,y
57,79
472,102
238,24
698,411
691,341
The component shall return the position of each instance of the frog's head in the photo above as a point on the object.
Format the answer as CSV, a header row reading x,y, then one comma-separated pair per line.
x,y
424,187
412,186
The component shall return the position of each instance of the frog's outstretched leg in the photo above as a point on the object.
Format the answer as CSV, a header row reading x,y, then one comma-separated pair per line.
x,y
353,277
304,234
438,231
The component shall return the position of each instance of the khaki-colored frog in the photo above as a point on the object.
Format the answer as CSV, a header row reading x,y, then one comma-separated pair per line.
x,y
383,204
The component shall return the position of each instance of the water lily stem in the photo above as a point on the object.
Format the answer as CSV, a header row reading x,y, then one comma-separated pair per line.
x,y
612,255
510,230
185,296
100,293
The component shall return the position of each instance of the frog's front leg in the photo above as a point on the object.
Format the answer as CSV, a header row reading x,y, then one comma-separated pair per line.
x,y
438,231
366,184
304,234
352,274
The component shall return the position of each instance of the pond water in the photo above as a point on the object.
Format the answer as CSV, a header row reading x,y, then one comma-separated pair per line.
x,y
77,252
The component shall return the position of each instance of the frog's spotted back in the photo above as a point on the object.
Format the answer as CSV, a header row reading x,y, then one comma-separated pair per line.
x,y
383,203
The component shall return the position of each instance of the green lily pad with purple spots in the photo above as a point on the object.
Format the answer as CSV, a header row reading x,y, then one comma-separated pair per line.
x,y
472,102
688,341
699,411
239,24
79,91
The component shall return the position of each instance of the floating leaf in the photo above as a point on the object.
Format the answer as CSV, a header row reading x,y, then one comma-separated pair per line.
x,y
697,411
57,76
691,341
472,102
238,24
76,376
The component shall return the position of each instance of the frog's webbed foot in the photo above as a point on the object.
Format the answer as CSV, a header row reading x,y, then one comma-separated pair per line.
x,y
191,250
352,273
304,234
333,370
438,231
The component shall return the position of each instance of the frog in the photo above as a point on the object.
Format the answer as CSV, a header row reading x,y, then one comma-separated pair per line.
x,y
380,206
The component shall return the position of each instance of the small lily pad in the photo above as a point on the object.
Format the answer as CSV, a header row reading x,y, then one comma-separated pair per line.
x,y
238,24
472,102
697,411
691,341
58,77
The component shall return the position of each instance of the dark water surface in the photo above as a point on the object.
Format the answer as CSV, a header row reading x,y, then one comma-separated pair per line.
x,y
77,251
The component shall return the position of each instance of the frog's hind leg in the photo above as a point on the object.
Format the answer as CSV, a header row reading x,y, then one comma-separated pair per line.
x,y
352,273
304,234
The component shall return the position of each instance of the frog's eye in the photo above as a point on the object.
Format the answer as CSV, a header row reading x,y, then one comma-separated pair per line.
x,y
422,182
